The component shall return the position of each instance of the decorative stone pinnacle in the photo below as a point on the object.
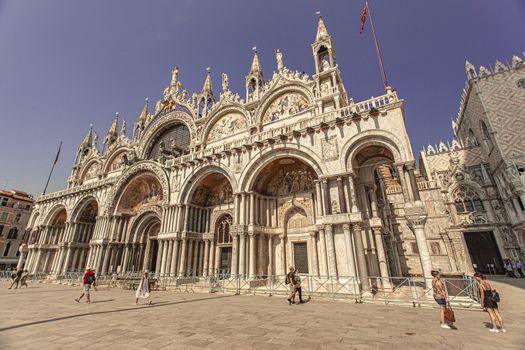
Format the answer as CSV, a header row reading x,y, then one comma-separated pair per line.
x,y
318,13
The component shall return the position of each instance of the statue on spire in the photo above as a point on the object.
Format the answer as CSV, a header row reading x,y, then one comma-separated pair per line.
x,y
123,129
279,58
174,75
225,82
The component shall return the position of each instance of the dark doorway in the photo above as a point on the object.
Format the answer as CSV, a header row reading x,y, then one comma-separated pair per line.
x,y
226,261
153,256
300,255
484,252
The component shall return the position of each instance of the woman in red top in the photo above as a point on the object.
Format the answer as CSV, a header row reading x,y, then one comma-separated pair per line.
x,y
88,280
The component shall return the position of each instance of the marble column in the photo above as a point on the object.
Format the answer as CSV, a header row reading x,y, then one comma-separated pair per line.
x,y
413,183
158,263
189,268
330,250
242,254
252,255
349,250
417,224
341,190
182,264
201,258
167,258
323,261
106,260
283,254
381,254
174,255
361,257
195,271
315,262
100,258
147,254
124,264
351,194
326,197
401,177
270,256
260,252
206,257
65,268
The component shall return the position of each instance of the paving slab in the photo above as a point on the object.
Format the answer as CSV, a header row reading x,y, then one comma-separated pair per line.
x,y
45,316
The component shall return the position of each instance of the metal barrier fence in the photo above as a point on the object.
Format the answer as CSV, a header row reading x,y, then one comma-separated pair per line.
x,y
461,291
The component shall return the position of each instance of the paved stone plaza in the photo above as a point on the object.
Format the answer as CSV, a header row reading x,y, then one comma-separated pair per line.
x,y
45,316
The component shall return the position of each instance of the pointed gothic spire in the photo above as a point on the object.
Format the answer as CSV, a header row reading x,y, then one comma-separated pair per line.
x,y
256,66
516,61
112,134
145,111
321,28
207,88
470,70
88,139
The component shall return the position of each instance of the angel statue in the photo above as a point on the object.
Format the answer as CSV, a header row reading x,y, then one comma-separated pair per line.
x,y
279,58
95,139
225,82
175,75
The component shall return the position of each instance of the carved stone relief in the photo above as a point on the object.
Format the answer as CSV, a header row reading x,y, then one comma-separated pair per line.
x,y
226,126
330,149
285,106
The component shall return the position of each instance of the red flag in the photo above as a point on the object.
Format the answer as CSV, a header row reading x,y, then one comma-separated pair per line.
x,y
58,153
363,17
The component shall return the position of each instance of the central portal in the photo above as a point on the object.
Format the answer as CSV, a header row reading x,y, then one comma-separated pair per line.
x,y
226,261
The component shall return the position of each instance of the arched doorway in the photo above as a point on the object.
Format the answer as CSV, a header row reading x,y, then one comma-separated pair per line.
x,y
209,209
83,223
375,175
137,221
54,233
282,210
223,242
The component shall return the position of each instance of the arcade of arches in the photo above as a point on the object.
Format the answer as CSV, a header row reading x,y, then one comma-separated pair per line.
x,y
296,173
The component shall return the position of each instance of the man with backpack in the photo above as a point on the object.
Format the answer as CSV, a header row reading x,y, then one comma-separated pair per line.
x,y
289,281
88,280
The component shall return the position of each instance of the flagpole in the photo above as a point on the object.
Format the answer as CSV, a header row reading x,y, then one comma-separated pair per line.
x,y
381,66
52,167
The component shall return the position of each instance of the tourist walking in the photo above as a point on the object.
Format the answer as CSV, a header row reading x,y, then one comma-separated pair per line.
x,y
89,279
143,289
289,280
440,296
16,278
23,279
297,286
519,268
489,302
509,269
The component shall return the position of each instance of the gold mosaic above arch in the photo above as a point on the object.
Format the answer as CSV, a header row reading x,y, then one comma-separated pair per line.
x,y
285,106
227,125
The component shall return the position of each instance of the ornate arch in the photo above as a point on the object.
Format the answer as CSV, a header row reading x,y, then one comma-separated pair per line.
x,y
151,212
223,112
91,168
145,166
50,215
305,154
193,181
288,88
35,215
115,153
161,124
369,138
288,211
80,205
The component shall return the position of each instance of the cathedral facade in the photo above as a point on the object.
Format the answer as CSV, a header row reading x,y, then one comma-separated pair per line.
x,y
296,174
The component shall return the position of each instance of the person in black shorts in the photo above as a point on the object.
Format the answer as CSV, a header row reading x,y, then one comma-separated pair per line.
x,y
489,302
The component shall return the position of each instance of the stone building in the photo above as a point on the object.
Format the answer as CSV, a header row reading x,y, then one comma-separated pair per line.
x,y
15,209
481,173
296,173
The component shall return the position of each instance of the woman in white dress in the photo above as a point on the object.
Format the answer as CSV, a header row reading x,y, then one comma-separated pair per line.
x,y
143,289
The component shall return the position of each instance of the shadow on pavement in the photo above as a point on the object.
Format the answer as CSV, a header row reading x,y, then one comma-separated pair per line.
x,y
159,304
515,282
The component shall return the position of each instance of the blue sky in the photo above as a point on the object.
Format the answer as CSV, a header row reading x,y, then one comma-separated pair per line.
x,y
66,64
